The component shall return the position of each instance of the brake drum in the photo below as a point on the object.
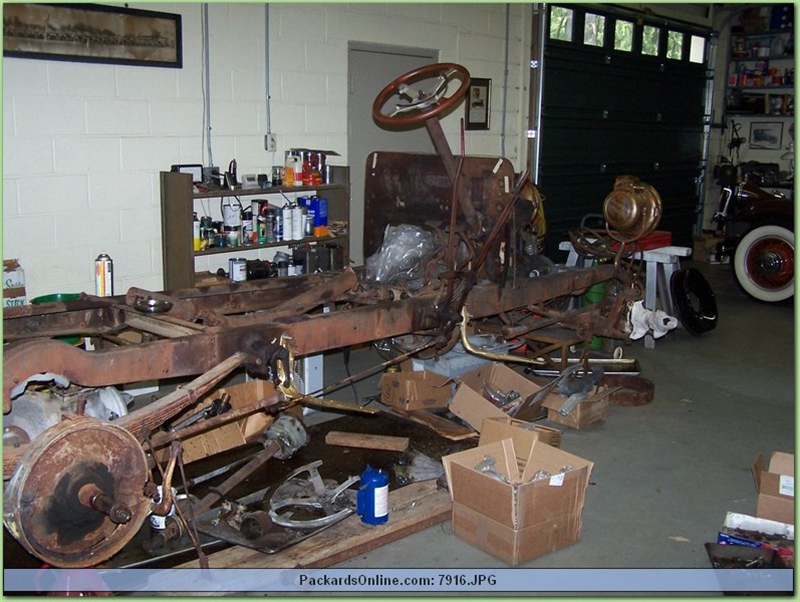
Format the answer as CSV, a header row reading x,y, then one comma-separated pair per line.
x,y
77,495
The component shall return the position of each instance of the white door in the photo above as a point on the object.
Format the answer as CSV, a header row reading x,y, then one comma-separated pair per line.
x,y
370,68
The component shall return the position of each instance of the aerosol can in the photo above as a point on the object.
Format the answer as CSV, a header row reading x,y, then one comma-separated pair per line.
x,y
372,498
104,276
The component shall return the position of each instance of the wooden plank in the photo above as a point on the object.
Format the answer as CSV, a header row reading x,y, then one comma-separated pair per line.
x,y
367,441
411,509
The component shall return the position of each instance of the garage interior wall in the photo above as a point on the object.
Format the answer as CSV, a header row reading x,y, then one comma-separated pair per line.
x,y
83,143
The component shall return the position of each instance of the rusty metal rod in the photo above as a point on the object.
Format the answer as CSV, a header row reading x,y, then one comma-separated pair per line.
x,y
271,447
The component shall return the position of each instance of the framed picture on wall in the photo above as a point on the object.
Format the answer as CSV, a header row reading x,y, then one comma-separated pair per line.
x,y
766,135
92,33
479,98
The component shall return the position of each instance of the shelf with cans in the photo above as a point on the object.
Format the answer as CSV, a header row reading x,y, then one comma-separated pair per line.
x,y
247,222
761,65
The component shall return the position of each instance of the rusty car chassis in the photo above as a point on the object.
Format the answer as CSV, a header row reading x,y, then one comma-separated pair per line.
x,y
77,492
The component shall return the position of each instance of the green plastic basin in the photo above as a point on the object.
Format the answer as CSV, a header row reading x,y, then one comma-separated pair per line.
x,y
55,298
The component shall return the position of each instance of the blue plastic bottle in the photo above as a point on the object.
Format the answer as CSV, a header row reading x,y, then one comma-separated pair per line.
x,y
372,499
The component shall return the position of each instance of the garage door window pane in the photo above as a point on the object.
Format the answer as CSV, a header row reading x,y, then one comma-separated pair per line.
x,y
697,50
650,40
674,45
594,30
623,36
560,23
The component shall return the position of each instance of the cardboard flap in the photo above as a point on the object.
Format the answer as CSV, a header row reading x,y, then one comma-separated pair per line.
x,y
551,459
758,468
472,408
502,451
782,463
484,494
497,429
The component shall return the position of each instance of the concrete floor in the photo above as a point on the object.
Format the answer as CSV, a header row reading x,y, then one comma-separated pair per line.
x,y
666,473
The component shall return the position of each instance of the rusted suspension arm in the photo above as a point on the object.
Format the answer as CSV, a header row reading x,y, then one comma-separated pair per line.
x,y
144,420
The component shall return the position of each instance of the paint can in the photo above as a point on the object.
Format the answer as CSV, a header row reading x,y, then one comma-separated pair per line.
x,y
237,269
231,215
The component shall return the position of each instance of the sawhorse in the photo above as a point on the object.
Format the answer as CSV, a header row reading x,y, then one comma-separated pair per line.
x,y
660,265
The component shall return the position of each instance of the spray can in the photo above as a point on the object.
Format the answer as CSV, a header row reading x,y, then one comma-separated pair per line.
x,y
288,228
247,227
372,499
196,231
261,221
104,276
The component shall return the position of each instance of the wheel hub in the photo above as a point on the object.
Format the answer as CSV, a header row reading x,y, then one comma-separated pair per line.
x,y
77,496
771,263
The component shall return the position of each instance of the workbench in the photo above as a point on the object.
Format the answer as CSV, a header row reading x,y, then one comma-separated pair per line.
x,y
660,265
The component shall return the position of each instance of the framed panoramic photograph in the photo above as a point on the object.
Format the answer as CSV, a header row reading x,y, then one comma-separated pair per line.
x,y
766,135
92,33
479,98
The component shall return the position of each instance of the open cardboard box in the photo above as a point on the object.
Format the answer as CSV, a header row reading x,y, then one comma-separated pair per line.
x,y
775,487
231,435
593,409
517,519
472,407
415,390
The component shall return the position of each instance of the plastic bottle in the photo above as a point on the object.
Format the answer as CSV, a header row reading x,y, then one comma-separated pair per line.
x,y
372,499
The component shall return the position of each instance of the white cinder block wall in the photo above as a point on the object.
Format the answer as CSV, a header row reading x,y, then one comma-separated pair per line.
x,y
83,143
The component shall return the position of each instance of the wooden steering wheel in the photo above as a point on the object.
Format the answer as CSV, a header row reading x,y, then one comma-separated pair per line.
x,y
423,105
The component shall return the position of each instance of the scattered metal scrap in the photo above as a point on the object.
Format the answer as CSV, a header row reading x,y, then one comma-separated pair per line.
x,y
297,509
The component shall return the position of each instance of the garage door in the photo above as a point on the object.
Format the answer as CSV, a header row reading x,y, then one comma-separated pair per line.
x,y
619,95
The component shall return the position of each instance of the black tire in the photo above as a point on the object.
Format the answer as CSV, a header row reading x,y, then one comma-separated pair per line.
x,y
763,263
695,302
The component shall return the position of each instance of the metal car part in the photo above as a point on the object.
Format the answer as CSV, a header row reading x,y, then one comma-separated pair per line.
x,y
312,492
78,496
35,411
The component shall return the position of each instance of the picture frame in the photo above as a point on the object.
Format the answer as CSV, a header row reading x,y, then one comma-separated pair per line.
x,y
766,135
478,104
92,33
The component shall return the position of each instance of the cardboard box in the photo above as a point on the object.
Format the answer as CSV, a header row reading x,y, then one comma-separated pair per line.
x,y
704,247
472,407
13,284
230,435
744,530
415,390
594,409
522,518
521,432
775,487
